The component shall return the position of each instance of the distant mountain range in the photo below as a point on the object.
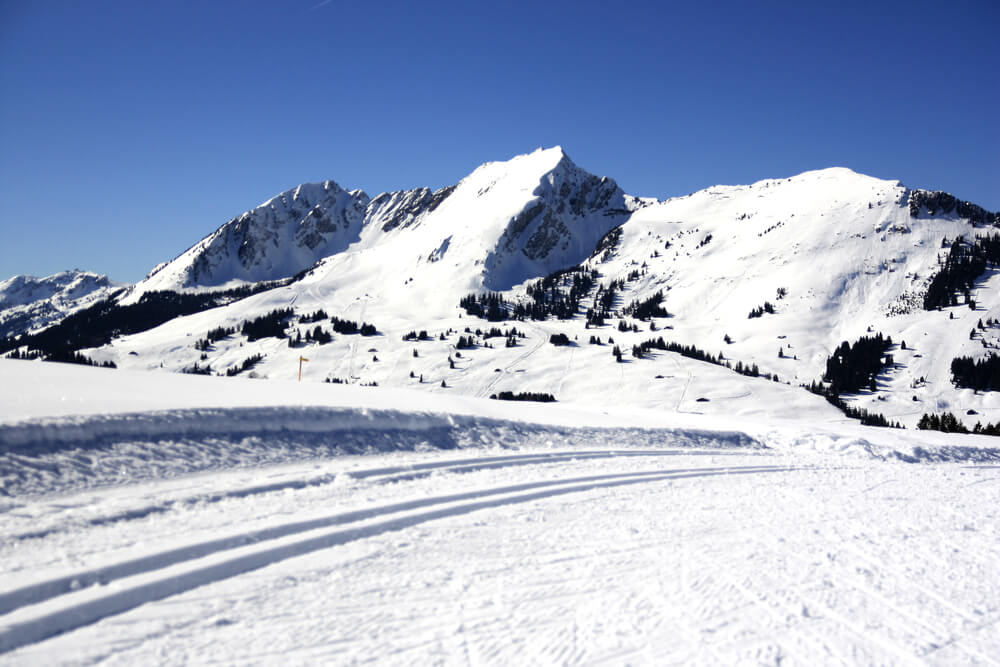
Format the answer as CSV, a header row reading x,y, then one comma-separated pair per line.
x,y
768,279
31,304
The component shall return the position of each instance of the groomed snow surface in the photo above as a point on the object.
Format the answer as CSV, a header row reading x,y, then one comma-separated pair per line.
x,y
151,518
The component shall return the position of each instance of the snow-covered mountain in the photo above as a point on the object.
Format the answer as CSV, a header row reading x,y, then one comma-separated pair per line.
x,y
676,337
772,276
279,238
514,220
28,303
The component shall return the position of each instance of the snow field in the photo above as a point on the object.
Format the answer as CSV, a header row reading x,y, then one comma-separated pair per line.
x,y
65,427
157,518
650,556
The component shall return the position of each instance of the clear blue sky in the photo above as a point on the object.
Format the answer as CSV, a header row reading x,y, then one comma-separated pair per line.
x,y
129,130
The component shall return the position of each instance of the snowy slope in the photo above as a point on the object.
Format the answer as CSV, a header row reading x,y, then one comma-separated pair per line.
x,y
504,223
837,255
558,533
850,259
28,303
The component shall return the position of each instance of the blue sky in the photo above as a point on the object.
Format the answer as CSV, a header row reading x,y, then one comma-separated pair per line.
x,y
129,130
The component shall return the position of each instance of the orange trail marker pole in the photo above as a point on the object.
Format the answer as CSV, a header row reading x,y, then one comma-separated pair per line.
x,y
301,359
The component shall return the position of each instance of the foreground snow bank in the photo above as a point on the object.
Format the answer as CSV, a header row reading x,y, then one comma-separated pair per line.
x,y
66,452
64,427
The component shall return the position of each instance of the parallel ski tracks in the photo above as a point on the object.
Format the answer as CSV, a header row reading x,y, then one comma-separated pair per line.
x,y
36,612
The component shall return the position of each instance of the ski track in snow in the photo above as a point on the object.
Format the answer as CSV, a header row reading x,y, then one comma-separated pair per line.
x,y
75,613
620,556
349,533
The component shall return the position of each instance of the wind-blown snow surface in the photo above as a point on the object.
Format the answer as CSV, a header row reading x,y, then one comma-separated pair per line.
x,y
158,518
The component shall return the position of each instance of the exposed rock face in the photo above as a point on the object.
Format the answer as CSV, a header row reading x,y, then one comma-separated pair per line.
x,y
570,212
559,213
392,210
279,238
942,203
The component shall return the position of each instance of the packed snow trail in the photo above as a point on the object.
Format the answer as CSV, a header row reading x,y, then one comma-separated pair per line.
x,y
151,518
649,556
166,578
39,592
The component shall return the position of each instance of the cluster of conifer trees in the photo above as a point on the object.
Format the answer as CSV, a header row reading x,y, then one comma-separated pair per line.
x,y
212,336
689,351
983,375
247,364
490,306
759,311
317,316
604,301
524,396
557,294
966,261
77,358
866,417
641,351
317,335
646,308
349,327
949,423
270,325
494,332
195,369
853,367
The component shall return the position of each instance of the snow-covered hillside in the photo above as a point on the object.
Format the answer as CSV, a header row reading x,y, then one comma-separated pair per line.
x,y
504,223
770,278
279,238
28,303
162,518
